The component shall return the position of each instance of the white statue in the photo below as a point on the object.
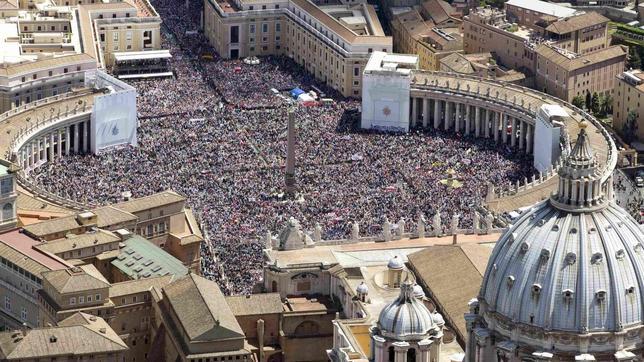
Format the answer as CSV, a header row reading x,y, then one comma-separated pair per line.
x,y
317,233
355,231
421,225
386,230
437,223
454,225
401,227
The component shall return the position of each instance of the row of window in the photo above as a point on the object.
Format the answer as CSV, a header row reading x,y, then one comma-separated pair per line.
x,y
7,307
11,266
51,73
251,28
84,299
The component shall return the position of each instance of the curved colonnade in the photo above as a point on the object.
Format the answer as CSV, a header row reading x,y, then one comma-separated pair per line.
x,y
58,126
45,130
505,113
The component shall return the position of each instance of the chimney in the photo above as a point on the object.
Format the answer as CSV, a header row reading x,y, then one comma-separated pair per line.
x,y
23,329
124,234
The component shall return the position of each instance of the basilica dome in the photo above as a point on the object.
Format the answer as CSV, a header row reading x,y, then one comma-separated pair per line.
x,y
406,318
573,263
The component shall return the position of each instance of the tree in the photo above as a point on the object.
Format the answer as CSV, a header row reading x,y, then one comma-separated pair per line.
x,y
578,101
588,99
630,127
606,105
633,60
594,103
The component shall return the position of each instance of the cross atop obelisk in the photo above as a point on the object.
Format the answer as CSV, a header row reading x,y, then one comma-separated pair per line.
x,y
289,176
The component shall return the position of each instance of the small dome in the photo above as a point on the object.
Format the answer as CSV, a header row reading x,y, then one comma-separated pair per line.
x,y
418,291
395,263
438,319
406,318
362,288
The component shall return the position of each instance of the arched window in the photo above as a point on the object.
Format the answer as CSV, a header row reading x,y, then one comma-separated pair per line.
x,y
411,355
7,211
392,354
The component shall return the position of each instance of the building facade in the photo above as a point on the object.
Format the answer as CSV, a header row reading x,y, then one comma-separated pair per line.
x,y
331,42
566,56
628,99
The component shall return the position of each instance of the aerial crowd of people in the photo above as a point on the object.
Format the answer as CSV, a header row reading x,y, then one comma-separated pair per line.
x,y
216,133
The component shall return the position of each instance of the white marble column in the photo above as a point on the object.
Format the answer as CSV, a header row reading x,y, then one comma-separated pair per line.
x,y
59,145
488,123
400,349
448,115
477,121
37,157
31,154
495,125
414,111
437,113
528,138
513,135
467,120
425,112
457,119
522,135
503,120
86,136
76,138
51,146
67,137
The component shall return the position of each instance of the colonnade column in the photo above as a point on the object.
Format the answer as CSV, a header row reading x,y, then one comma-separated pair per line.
x,y
521,134
437,113
51,146
86,136
513,135
504,128
528,139
448,115
59,145
414,111
425,112
37,155
477,121
495,124
467,120
76,136
67,137
31,154
400,349
488,115
457,119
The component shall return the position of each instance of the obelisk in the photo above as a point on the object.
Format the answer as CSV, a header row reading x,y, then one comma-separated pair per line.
x,y
289,176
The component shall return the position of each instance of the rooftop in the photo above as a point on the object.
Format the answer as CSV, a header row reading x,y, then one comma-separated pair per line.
x,y
577,22
453,275
149,202
77,279
76,242
139,285
19,249
201,309
543,7
391,63
255,304
79,335
140,258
